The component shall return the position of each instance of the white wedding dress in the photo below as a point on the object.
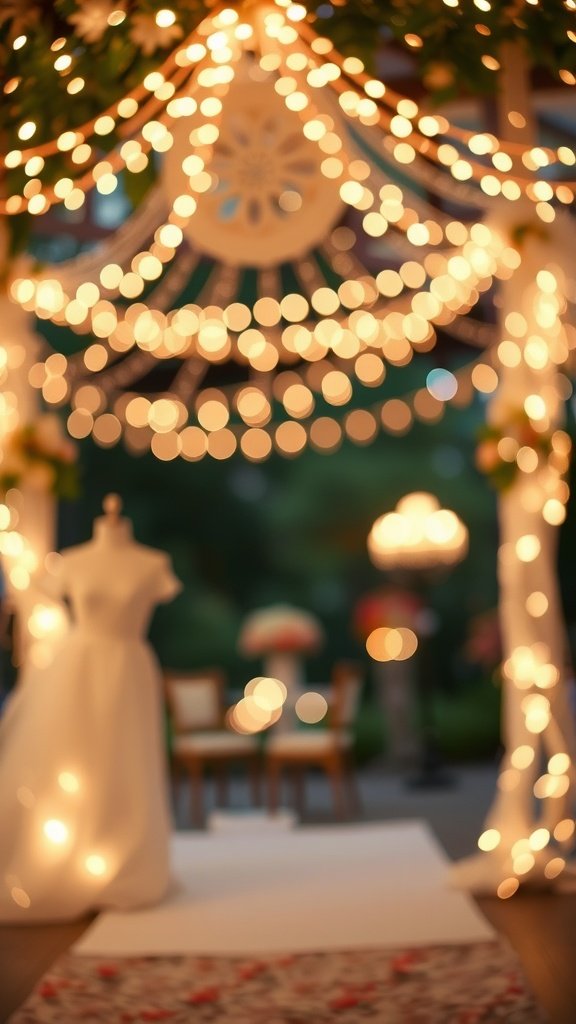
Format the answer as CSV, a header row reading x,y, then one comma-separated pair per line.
x,y
84,819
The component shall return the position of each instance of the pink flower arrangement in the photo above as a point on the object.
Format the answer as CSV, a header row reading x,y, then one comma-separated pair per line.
x,y
389,606
483,644
279,628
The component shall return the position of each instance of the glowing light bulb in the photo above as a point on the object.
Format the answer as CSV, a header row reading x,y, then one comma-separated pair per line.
x,y
96,865
69,782
165,18
311,707
489,839
56,831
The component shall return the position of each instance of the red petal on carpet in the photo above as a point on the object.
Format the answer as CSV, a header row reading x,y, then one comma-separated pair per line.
x,y
478,983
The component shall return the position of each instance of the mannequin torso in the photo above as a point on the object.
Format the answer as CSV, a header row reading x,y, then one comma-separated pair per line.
x,y
93,716
114,582
111,532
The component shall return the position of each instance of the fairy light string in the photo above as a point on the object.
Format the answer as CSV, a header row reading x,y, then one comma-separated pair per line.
x,y
303,356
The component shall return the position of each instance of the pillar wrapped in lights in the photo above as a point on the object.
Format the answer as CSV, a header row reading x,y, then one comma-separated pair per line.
x,y
28,505
531,822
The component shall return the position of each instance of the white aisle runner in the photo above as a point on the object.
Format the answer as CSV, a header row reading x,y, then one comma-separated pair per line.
x,y
325,888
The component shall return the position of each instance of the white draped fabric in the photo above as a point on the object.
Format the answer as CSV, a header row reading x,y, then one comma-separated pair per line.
x,y
83,801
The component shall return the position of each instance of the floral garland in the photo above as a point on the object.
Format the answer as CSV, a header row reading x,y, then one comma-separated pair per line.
x,y
483,645
279,628
499,461
387,606
39,456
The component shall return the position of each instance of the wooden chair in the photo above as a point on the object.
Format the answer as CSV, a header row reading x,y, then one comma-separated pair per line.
x,y
201,739
328,747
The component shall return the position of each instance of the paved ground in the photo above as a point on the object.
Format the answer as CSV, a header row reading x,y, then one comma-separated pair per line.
x,y
455,811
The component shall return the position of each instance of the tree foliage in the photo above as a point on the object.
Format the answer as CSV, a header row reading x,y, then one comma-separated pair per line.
x,y
113,44
449,42
113,58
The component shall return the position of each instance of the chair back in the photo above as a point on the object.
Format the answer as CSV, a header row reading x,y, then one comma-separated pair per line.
x,y
347,680
195,699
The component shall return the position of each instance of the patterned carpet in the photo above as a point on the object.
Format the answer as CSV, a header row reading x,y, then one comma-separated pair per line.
x,y
479,983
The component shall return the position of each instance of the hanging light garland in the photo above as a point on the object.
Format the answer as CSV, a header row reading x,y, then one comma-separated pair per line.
x,y
362,353
144,115
392,313
364,321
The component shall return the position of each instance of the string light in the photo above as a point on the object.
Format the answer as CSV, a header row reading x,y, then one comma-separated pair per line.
x,y
338,329
164,95
454,281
